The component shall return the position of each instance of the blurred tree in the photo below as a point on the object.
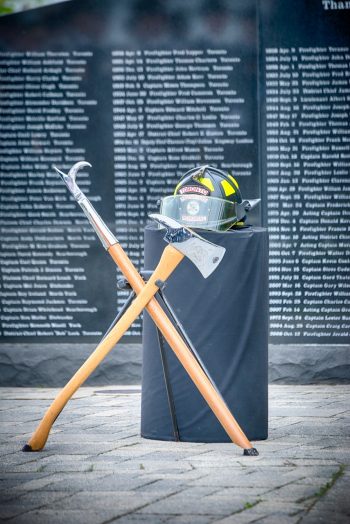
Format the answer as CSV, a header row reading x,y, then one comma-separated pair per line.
x,y
4,8
13,6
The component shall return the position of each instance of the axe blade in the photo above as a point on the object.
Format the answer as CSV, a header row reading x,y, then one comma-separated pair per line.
x,y
205,255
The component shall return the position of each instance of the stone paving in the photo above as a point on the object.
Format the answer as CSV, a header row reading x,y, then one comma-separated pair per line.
x,y
96,469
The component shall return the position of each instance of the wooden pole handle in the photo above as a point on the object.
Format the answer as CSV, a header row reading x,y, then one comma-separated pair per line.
x,y
168,262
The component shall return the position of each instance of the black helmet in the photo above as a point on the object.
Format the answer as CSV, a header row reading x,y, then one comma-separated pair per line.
x,y
207,198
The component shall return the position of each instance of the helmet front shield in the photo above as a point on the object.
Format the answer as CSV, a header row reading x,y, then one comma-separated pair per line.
x,y
204,212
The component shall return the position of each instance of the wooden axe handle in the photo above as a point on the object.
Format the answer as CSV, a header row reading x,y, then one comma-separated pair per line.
x,y
181,350
168,262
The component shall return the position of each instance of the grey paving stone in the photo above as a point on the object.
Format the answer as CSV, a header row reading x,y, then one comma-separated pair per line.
x,y
251,515
189,476
194,519
163,487
81,447
181,503
14,491
97,481
335,501
273,506
303,411
96,468
325,518
276,518
29,501
59,516
135,518
121,502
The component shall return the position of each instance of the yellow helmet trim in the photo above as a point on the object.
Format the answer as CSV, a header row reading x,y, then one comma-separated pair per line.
x,y
233,180
177,187
206,182
228,189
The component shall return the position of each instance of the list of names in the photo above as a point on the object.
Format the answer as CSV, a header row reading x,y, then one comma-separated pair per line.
x,y
44,109
308,189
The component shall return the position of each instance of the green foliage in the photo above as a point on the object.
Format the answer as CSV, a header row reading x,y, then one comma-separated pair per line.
x,y
249,505
5,9
326,487
8,7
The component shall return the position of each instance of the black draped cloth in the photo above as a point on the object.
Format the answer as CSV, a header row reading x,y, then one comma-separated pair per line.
x,y
226,318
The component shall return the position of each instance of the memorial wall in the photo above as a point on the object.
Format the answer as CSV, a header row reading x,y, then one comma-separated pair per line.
x,y
305,93
145,91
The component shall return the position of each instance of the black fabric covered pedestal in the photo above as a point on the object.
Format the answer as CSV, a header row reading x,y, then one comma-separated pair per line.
x,y
226,317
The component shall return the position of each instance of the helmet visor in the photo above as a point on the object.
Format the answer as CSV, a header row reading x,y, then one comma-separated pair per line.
x,y
199,211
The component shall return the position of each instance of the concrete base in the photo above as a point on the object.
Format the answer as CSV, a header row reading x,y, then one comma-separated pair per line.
x,y
309,364
51,365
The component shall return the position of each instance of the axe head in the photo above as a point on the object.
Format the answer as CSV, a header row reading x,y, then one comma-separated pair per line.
x,y
205,255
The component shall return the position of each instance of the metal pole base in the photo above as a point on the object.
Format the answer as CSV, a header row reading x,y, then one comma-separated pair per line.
x,y
250,452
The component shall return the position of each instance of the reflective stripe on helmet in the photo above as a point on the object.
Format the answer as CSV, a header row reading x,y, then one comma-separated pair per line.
x,y
206,182
233,180
228,188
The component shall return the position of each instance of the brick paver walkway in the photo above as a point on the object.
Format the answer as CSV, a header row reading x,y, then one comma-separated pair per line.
x,y
96,469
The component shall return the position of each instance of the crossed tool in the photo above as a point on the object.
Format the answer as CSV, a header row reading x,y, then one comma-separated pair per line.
x,y
182,242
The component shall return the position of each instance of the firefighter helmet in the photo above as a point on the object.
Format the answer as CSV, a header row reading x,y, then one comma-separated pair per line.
x,y
207,198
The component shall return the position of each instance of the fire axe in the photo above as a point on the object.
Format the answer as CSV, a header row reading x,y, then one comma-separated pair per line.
x,y
182,242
